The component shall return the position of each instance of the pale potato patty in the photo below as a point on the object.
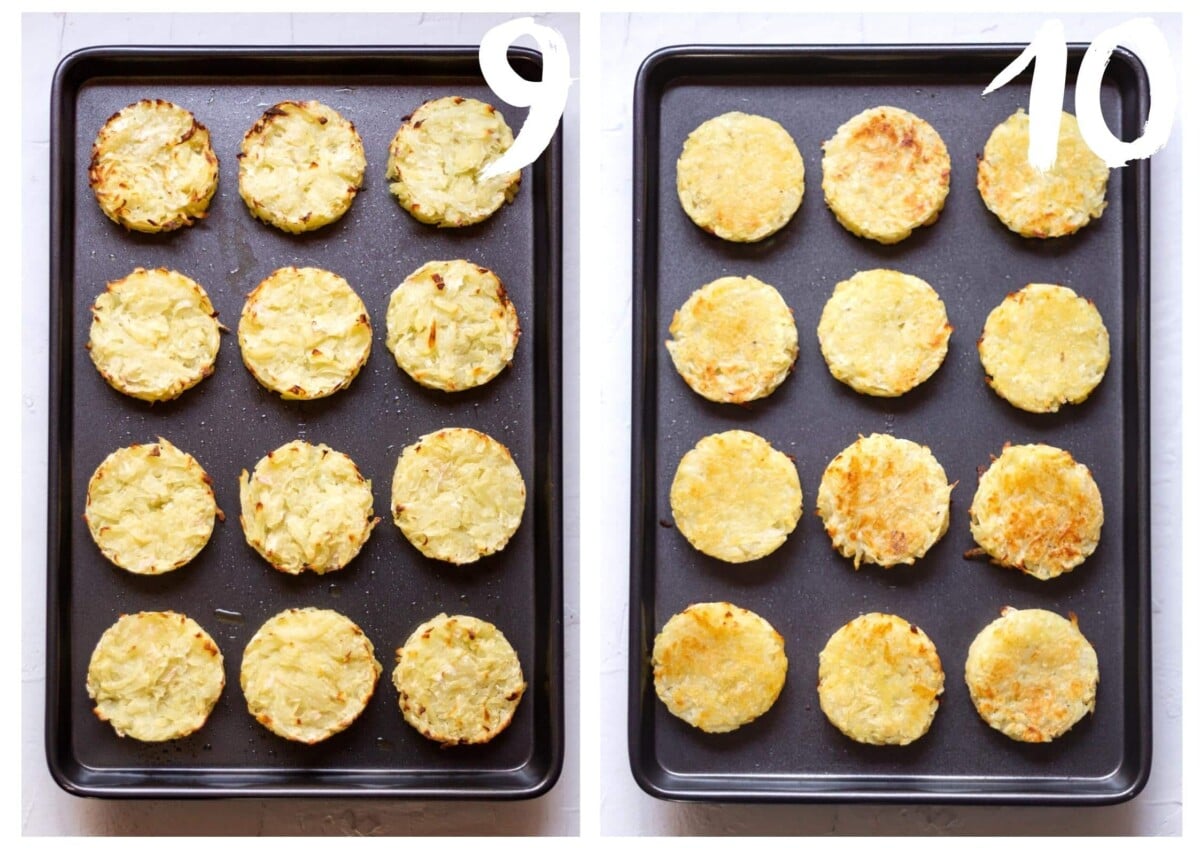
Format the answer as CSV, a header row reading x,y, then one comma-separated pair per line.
x,y
1032,674
1041,204
459,680
740,177
734,340
885,173
1037,510
154,334
734,497
1044,346
883,332
308,674
451,326
884,500
153,168
304,333
301,166
457,495
718,666
306,508
437,157
155,676
150,508
879,680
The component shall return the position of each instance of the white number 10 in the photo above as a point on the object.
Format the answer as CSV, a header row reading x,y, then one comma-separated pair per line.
x,y
1049,47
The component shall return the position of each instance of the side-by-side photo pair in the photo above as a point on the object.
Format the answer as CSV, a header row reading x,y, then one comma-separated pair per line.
x,y
601,423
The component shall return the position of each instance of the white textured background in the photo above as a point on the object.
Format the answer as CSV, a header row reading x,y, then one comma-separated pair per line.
x,y
624,808
46,809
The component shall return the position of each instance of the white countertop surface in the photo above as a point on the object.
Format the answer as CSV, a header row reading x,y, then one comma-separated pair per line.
x,y
45,808
624,808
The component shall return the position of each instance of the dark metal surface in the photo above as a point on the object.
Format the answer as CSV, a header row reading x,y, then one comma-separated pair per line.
x,y
229,421
805,589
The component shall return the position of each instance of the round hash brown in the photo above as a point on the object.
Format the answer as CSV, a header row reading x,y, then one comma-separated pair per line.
x,y
301,166
734,340
885,173
459,680
457,495
306,508
879,680
153,168
437,158
150,508
451,326
308,674
884,500
154,334
718,666
734,497
1044,346
1032,674
304,333
155,676
740,177
883,332
1041,204
1037,510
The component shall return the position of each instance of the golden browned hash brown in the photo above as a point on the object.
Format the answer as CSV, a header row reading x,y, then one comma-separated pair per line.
x,y
1037,510
740,177
883,332
884,500
1041,204
718,666
885,173
880,679
1032,674
734,497
734,340
1044,346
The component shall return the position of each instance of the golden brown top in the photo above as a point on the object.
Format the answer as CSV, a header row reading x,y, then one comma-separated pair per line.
x,y
718,666
886,172
1041,204
740,177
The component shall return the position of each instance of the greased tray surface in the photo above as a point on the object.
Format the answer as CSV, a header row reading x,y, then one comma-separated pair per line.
x,y
805,589
229,421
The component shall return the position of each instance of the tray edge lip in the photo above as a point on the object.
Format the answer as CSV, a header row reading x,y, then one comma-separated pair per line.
x,y
64,86
1137,90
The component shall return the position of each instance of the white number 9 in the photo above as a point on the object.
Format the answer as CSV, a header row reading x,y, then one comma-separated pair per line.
x,y
1049,47
546,99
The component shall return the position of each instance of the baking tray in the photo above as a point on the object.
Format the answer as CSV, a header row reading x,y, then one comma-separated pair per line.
x,y
805,589
228,422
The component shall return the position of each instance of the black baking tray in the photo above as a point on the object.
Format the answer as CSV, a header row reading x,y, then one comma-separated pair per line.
x,y
228,422
805,589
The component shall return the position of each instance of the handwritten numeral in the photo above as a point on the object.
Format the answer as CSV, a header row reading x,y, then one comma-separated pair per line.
x,y
1049,49
546,99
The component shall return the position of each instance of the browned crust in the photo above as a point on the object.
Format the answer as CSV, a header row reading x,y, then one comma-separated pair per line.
x,y
97,176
